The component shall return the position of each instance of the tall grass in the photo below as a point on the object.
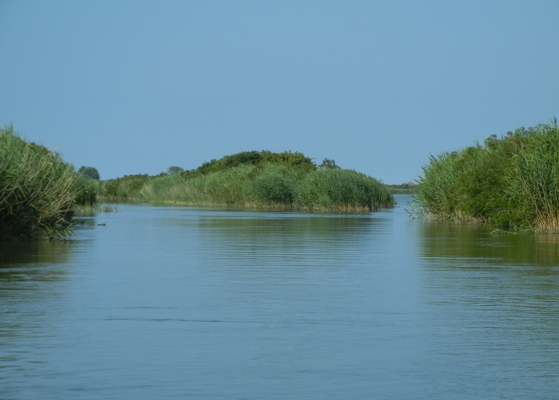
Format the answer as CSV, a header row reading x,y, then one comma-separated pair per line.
x,y
218,188
340,189
535,179
509,181
37,190
287,183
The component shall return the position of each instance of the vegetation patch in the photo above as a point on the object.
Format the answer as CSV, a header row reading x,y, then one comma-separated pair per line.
x,y
38,190
404,188
257,179
511,181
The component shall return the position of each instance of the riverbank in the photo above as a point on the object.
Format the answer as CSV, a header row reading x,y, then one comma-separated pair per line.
x,y
511,181
257,179
38,190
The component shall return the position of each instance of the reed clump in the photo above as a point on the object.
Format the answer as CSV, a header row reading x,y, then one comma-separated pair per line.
x,y
37,190
342,190
258,179
511,181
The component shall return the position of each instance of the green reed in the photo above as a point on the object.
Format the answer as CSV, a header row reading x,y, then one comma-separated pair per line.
x,y
535,179
338,189
37,190
272,180
509,181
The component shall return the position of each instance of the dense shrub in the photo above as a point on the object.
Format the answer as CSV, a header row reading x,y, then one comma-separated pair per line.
x,y
509,181
287,158
89,172
275,185
342,189
37,190
258,179
124,188
86,191
534,177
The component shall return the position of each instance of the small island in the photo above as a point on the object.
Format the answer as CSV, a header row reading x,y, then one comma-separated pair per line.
x,y
257,179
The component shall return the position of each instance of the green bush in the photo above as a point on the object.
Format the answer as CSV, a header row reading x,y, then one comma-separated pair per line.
x,y
125,188
341,190
37,190
86,189
287,158
509,181
258,179
534,177
89,172
275,185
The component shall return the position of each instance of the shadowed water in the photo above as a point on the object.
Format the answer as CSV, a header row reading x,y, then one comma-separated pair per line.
x,y
176,302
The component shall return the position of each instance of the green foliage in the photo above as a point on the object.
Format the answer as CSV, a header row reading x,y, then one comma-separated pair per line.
x,y
275,185
509,181
343,190
245,157
408,188
86,190
221,188
287,158
534,177
37,190
328,164
174,170
89,172
258,179
124,188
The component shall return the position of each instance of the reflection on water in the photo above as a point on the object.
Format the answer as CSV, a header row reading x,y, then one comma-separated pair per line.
x,y
290,240
462,240
178,302
29,273
494,304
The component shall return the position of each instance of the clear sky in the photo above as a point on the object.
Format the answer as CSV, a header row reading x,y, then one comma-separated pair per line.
x,y
137,86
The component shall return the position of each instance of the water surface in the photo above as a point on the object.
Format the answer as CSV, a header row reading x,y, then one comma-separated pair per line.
x,y
178,302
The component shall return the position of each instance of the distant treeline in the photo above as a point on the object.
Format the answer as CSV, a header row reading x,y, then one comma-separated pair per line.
x,y
404,188
38,190
510,181
257,179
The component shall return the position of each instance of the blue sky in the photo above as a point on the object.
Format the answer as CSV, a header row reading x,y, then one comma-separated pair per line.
x,y
137,86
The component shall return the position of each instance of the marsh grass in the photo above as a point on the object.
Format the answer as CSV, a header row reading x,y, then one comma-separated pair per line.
x,y
535,179
37,190
90,210
275,180
512,181
343,190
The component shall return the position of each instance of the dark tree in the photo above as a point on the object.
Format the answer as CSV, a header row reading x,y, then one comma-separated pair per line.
x,y
328,164
89,172
174,170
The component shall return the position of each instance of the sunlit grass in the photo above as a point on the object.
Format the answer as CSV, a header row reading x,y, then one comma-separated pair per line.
x,y
289,182
38,190
510,181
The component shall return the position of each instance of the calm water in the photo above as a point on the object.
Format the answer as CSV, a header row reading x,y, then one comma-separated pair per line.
x,y
176,302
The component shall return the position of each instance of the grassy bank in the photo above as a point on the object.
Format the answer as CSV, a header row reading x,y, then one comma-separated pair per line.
x,y
510,181
257,179
404,188
37,190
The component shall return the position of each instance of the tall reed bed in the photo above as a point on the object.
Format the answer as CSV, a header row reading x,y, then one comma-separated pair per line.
x,y
37,190
338,189
269,183
509,181
534,179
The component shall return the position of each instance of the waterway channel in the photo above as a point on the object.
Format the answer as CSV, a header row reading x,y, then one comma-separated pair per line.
x,y
162,302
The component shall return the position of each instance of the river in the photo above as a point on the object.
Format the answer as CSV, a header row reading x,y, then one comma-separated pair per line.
x,y
162,302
